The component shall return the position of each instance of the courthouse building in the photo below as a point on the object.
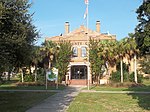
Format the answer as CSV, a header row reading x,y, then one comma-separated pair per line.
x,y
79,66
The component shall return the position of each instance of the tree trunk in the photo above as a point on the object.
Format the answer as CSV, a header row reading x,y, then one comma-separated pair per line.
x,y
121,71
135,67
35,73
22,78
49,64
8,75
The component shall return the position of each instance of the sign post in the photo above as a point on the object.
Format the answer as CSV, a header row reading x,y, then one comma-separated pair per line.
x,y
52,75
55,71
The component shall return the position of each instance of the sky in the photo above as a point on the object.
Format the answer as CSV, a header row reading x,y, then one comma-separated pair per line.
x,y
116,16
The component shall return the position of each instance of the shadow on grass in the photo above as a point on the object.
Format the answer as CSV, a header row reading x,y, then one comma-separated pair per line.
x,y
13,87
143,100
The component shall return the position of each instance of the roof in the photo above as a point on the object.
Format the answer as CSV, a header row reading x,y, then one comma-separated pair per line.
x,y
80,34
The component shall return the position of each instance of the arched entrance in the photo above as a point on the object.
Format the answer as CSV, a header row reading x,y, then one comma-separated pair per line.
x,y
79,74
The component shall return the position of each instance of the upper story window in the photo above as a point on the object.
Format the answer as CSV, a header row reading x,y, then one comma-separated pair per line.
x,y
75,51
83,52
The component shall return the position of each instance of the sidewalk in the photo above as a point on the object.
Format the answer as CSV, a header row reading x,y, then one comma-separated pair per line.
x,y
58,102
61,100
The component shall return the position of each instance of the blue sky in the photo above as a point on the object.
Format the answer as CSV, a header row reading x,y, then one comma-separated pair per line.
x,y
116,16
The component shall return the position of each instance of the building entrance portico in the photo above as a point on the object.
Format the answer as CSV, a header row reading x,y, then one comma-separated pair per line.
x,y
79,72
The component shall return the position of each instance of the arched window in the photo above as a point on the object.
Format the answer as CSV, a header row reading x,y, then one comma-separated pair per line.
x,y
75,51
83,52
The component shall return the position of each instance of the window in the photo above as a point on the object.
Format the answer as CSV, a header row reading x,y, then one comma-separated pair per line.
x,y
83,51
75,51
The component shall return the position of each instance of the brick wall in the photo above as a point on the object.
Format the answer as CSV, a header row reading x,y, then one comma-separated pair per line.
x,y
78,82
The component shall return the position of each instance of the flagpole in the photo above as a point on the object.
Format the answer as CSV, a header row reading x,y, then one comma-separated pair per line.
x,y
87,19
87,25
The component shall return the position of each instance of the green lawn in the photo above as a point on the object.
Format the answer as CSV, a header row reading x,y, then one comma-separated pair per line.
x,y
98,102
145,87
11,85
108,88
20,101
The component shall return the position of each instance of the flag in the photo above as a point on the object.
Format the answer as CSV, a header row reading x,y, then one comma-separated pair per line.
x,y
85,14
86,2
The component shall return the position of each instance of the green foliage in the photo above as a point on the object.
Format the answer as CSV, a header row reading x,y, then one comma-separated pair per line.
x,y
28,78
41,75
142,30
63,58
125,67
115,76
17,33
145,64
36,56
95,58
1,80
139,77
19,76
49,51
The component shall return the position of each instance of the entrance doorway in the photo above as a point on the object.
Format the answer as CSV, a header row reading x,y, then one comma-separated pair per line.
x,y
79,72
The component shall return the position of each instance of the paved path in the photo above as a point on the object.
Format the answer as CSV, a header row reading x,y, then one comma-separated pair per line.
x,y
58,102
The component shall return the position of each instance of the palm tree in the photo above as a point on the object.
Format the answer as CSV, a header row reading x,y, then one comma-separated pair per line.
x,y
120,54
132,51
109,54
48,50
36,58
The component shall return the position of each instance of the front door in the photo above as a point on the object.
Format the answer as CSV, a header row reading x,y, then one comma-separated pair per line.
x,y
79,72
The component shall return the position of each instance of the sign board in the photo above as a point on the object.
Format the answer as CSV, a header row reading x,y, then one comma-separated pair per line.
x,y
52,74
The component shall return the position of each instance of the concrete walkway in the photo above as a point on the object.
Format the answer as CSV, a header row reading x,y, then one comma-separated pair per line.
x,y
58,102
61,100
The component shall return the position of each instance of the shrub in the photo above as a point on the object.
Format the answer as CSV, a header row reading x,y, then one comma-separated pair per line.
x,y
1,81
115,76
28,78
139,77
125,84
41,75
29,84
19,76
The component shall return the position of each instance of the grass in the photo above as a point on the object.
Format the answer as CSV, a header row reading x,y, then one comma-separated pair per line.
x,y
108,88
11,85
20,101
98,102
144,87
